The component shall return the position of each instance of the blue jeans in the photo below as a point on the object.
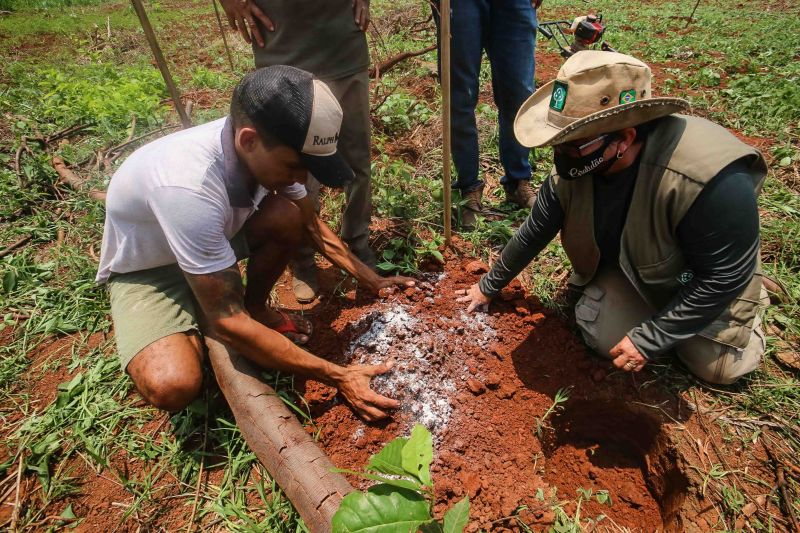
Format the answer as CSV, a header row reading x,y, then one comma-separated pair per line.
x,y
506,29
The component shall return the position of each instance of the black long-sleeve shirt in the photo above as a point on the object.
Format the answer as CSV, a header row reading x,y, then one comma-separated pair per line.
x,y
719,237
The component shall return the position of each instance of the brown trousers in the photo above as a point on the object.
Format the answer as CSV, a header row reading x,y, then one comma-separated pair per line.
x,y
354,145
610,307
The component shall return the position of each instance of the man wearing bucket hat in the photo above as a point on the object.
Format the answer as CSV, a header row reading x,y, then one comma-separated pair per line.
x,y
657,214
182,210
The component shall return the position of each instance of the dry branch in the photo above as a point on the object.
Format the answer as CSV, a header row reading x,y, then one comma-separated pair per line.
x,y
292,458
75,182
18,244
376,71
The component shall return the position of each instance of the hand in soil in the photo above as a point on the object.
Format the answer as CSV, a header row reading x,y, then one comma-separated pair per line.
x,y
354,385
627,357
240,15
477,300
390,282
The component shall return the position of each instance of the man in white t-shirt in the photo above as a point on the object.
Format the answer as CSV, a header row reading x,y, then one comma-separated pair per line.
x,y
183,209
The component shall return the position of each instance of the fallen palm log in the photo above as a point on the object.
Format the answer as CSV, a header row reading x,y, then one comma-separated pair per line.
x,y
75,182
290,455
376,71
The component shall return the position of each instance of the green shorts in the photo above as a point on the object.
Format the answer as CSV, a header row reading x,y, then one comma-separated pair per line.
x,y
148,305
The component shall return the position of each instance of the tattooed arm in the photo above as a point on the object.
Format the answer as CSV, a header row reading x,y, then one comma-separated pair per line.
x,y
221,298
332,247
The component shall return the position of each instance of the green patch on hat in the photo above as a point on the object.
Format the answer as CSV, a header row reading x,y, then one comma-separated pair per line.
x,y
559,97
626,97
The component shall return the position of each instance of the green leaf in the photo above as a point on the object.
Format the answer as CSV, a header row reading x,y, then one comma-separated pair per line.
x,y
405,484
456,518
785,162
68,513
9,281
418,454
390,459
381,509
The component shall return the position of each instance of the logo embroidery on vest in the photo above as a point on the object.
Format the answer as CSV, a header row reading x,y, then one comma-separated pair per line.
x,y
559,96
626,97
685,277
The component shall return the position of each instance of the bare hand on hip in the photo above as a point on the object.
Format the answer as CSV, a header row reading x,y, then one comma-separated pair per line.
x,y
626,356
242,15
473,295
361,13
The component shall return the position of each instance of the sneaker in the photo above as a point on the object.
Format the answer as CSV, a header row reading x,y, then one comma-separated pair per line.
x,y
304,282
521,193
472,208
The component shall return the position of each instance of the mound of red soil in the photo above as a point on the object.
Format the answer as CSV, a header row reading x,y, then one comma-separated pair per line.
x,y
480,383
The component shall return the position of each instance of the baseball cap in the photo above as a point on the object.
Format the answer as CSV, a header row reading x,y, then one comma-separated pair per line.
x,y
301,112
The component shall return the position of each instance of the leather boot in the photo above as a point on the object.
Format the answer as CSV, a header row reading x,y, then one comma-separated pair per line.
x,y
304,280
520,192
472,208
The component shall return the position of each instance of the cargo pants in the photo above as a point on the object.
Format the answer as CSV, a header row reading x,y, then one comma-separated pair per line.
x,y
610,307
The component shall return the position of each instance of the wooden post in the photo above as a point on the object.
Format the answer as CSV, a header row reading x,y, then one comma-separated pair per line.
x,y
691,17
222,32
273,432
161,62
444,41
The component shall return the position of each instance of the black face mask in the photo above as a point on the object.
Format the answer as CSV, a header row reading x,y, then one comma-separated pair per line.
x,y
571,167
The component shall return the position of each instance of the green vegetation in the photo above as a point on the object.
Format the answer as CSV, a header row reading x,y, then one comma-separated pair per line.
x,y
403,498
84,62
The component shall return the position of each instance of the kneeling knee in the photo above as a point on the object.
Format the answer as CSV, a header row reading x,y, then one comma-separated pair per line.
x,y
172,392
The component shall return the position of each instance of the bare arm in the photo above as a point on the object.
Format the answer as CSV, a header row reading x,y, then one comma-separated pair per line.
x,y
221,298
332,247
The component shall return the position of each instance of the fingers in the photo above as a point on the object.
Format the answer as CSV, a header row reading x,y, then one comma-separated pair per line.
x,y
460,292
265,20
242,27
377,370
255,31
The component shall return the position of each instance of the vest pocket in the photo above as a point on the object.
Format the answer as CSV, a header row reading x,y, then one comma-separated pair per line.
x,y
668,275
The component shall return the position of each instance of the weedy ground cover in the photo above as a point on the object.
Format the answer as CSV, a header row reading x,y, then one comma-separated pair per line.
x,y
82,62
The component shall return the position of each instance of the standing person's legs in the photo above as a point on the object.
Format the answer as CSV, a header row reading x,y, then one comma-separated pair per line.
x,y
468,30
354,145
511,47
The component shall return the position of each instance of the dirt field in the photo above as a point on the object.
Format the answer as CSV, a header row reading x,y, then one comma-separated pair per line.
x,y
539,432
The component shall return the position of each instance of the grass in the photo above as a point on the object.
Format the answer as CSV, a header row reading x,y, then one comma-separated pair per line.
x,y
60,67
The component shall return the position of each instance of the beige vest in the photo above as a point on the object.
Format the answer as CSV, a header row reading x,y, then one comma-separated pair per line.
x,y
680,157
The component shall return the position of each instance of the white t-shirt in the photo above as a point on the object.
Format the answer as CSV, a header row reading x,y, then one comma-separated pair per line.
x,y
179,199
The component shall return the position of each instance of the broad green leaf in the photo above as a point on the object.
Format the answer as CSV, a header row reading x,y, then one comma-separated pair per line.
x,y
456,518
381,509
9,281
785,162
418,453
390,459
405,484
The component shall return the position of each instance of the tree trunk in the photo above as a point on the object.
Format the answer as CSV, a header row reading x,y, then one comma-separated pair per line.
x,y
290,455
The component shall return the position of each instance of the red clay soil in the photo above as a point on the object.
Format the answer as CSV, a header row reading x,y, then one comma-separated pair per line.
x,y
485,380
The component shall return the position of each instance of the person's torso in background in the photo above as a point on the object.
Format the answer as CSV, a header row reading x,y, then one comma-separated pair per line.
x,y
319,36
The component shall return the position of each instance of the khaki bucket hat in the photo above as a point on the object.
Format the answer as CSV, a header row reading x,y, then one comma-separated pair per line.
x,y
595,92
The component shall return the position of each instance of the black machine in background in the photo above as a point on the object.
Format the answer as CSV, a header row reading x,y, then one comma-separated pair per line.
x,y
587,31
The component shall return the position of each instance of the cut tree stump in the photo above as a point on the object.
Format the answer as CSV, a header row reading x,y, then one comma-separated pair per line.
x,y
273,432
